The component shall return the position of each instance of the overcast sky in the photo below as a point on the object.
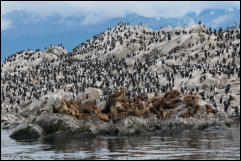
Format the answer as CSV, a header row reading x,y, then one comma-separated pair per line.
x,y
95,12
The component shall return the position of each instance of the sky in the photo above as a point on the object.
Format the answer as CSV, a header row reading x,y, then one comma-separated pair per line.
x,y
37,24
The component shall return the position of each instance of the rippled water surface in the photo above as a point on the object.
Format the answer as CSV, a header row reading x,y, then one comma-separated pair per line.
x,y
188,144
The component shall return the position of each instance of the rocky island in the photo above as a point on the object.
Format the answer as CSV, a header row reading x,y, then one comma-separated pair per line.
x,y
128,80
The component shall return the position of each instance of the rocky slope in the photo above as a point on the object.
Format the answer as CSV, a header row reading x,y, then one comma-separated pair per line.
x,y
193,60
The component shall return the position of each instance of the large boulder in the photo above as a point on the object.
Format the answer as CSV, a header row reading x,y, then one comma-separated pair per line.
x,y
61,124
44,105
27,132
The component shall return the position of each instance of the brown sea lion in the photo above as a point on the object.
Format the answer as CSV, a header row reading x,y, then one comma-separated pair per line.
x,y
119,106
187,113
117,93
175,100
157,103
101,115
73,110
154,110
169,113
125,114
111,100
142,97
113,114
171,94
75,102
82,115
169,105
122,93
146,112
136,113
161,114
87,107
55,108
191,99
196,108
63,108
209,109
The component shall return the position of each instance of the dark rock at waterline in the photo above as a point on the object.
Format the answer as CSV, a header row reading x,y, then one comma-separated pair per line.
x,y
63,126
27,132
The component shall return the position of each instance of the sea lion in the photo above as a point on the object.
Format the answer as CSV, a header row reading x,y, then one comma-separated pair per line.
x,y
55,109
153,110
168,104
157,102
101,115
113,114
82,115
142,97
74,102
169,114
187,113
191,99
63,108
171,94
197,108
175,100
161,114
119,107
117,93
125,114
73,110
146,111
136,112
111,100
122,93
209,109
87,107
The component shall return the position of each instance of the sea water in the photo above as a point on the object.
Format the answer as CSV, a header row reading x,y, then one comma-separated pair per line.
x,y
187,144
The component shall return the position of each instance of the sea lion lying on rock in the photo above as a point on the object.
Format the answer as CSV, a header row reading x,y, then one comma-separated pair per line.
x,y
101,115
142,97
63,108
169,101
191,99
111,100
209,109
171,94
80,111
69,107
187,113
169,114
192,105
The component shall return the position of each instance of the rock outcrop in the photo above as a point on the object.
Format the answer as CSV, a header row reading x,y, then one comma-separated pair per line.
x,y
171,77
120,117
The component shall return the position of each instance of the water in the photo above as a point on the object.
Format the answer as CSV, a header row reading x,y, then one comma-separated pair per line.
x,y
188,144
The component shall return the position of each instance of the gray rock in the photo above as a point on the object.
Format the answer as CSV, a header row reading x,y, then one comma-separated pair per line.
x,y
27,132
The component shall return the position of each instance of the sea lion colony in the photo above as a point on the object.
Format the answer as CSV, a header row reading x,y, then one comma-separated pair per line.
x,y
194,60
118,106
